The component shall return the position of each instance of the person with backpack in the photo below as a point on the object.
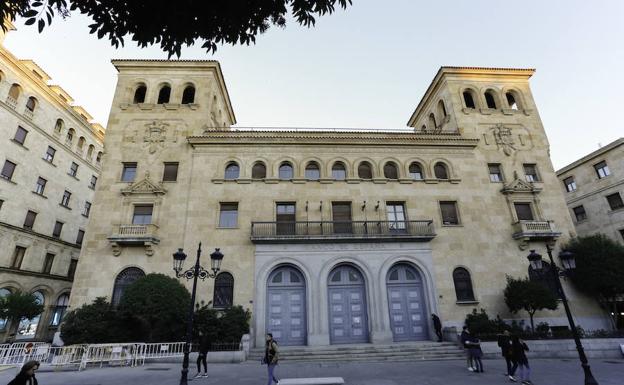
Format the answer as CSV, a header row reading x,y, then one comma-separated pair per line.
x,y
465,336
271,358
504,343
26,376
203,353
519,358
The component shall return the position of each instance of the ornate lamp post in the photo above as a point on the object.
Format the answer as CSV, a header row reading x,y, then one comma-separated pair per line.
x,y
569,264
193,273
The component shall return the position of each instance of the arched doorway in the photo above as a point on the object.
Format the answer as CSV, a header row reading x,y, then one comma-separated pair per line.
x,y
286,310
406,305
348,319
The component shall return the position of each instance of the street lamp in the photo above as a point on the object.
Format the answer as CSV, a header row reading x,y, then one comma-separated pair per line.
x,y
193,273
569,264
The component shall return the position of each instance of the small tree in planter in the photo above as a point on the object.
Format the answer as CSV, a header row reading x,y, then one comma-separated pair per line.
x,y
523,294
18,305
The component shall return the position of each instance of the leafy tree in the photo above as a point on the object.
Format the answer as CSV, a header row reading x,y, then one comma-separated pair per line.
x,y
173,24
18,305
159,304
599,270
524,294
220,326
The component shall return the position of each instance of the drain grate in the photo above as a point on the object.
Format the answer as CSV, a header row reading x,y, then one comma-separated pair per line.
x,y
157,368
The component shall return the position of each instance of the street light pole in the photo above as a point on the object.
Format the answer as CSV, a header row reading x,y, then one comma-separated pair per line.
x,y
589,378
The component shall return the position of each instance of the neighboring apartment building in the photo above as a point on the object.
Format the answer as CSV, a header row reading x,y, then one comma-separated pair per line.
x,y
594,191
49,165
329,236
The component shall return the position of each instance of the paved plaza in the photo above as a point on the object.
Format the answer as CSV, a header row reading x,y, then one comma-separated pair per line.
x,y
545,372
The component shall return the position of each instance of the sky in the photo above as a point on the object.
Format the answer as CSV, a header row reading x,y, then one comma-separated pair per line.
x,y
368,66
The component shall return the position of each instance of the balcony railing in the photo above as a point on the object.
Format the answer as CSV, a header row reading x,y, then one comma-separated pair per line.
x,y
28,114
11,102
339,231
134,234
534,230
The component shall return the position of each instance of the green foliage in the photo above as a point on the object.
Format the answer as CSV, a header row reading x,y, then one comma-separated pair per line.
x,y
542,329
480,323
18,305
96,323
599,269
220,326
523,294
160,305
174,24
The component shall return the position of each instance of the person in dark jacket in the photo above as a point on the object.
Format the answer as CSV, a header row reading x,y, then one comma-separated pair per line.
x,y
437,325
271,358
465,336
26,376
504,343
519,358
475,352
203,353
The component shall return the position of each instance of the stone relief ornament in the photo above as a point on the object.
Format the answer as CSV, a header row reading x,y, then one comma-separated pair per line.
x,y
155,135
504,139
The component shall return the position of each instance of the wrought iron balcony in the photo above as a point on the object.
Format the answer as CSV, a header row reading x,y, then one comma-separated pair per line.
x,y
338,231
526,231
134,235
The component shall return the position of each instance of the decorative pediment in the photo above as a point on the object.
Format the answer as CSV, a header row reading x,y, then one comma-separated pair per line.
x,y
145,186
520,186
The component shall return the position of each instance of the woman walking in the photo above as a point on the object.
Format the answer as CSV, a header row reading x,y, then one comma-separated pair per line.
x,y
519,358
475,352
271,357
26,376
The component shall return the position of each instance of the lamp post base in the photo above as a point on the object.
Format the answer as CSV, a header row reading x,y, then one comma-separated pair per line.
x,y
589,377
185,365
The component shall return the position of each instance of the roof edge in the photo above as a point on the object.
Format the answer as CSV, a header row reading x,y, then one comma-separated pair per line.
x,y
590,156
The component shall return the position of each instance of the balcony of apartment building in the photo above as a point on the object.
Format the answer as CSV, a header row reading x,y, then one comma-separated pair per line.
x,y
342,231
131,235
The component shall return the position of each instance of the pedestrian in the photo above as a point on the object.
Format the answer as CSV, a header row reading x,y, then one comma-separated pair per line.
x,y
271,357
475,352
437,325
26,376
465,336
201,356
504,343
519,358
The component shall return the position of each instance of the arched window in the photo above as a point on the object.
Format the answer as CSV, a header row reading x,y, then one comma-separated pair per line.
x,y
441,109
58,127
139,94
70,136
124,279
223,291
27,328
31,104
90,151
415,171
511,100
14,91
432,121
188,96
490,100
469,99
365,170
164,94
391,171
3,293
81,143
545,277
98,158
232,171
463,285
339,172
258,171
285,171
440,171
312,171
59,309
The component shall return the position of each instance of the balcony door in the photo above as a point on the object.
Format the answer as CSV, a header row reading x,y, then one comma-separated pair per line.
x,y
341,217
395,212
285,218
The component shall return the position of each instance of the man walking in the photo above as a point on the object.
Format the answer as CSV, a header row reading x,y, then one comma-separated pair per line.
x,y
437,325
504,343
465,341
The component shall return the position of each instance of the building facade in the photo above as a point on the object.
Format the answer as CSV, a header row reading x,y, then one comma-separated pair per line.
x,y
329,236
50,161
594,191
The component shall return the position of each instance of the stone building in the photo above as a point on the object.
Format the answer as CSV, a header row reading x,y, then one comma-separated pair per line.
x,y
329,236
594,191
49,164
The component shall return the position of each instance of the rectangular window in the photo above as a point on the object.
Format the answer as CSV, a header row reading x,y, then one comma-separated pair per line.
x,y
579,213
530,170
18,257
58,228
7,170
142,215
449,213
496,175
93,182
80,237
228,215
615,201
40,186
66,198
87,209
570,184
29,222
602,169
395,212
285,216
129,172
20,135
170,173
72,268
47,263
73,170
341,217
49,155
523,211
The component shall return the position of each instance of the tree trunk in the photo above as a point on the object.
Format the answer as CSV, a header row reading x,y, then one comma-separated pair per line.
x,y
531,314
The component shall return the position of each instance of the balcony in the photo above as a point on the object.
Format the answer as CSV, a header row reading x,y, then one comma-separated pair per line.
x,y
134,235
11,102
527,231
350,231
28,113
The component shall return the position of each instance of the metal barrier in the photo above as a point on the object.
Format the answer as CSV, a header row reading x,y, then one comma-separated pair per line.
x,y
16,353
158,350
122,354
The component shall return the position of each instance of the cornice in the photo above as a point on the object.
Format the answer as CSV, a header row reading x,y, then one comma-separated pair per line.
x,y
46,237
616,143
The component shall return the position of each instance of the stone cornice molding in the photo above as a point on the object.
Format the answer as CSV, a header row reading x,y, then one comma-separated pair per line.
x,y
520,186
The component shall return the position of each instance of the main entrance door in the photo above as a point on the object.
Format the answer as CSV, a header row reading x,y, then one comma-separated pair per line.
x,y
348,320
286,310
406,304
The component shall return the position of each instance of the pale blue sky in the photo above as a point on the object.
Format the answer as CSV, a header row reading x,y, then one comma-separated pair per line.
x,y
369,66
